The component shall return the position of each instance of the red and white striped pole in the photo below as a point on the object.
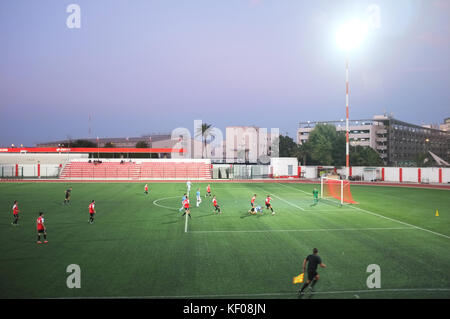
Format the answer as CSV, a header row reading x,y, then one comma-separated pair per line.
x,y
347,151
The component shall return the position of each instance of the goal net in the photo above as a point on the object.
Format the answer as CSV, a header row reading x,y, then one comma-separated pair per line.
x,y
336,188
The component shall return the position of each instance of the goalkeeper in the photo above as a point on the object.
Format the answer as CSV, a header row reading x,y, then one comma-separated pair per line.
x,y
315,196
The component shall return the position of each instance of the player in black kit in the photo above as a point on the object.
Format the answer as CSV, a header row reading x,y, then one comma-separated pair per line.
x,y
67,196
313,261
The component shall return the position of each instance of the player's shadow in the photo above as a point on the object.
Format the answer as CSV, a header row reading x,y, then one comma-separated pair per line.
x,y
306,296
249,215
62,204
174,213
201,216
9,225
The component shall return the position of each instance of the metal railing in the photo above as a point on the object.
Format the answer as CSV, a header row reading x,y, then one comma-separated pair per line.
x,y
29,172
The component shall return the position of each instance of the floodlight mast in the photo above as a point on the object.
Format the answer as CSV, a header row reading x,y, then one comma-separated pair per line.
x,y
347,147
349,36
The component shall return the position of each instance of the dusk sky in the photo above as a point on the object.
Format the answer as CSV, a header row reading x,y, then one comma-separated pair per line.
x,y
148,66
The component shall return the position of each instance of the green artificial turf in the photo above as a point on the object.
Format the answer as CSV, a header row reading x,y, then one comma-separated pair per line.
x,y
138,246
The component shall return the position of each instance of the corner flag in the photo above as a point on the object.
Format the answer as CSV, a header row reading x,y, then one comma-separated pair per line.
x,y
298,279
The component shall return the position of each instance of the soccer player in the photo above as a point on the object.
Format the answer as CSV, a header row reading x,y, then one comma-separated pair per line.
x,y
67,195
252,204
258,209
91,212
268,205
182,202
216,206
316,196
41,229
313,261
146,189
199,198
208,191
186,208
188,184
16,211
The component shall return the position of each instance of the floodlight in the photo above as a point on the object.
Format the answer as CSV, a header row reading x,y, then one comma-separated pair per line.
x,y
351,34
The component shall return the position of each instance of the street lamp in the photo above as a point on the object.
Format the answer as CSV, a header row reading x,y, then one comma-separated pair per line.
x,y
349,36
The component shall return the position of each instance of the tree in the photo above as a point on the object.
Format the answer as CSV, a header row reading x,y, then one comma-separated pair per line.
x,y
304,154
142,144
321,144
326,146
204,132
424,160
109,145
80,143
288,148
364,156
339,149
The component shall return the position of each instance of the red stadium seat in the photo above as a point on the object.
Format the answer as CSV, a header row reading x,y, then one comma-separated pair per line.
x,y
133,170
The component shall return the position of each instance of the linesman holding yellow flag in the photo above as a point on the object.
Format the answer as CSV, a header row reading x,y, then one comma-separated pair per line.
x,y
313,261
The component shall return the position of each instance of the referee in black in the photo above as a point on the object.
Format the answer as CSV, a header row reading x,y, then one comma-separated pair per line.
x,y
313,261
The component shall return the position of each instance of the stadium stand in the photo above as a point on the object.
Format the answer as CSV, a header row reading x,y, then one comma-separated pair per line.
x,y
108,170
136,171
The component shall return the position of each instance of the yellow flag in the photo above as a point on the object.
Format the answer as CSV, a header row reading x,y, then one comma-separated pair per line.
x,y
298,279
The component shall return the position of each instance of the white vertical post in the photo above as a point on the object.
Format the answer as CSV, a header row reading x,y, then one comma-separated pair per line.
x,y
347,156
186,224
321,187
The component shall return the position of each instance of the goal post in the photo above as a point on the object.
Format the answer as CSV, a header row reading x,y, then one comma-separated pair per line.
x,y
337,189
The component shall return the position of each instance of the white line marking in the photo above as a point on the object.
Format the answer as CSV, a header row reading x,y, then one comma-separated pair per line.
x,y
186,224
337,210
388,218
299,230
283,199
398,221
269,294
155,202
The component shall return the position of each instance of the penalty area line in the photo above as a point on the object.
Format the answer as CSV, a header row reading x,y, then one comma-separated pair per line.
x,y
300,230
286,201
381,216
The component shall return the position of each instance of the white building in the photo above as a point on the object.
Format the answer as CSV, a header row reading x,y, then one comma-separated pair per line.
x,y
446,125
361,132
250,144
397,142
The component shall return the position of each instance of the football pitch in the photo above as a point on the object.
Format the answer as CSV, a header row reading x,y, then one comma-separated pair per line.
x,y
141,246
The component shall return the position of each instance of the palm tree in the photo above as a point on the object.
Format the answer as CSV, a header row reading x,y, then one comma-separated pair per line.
x,y
204,131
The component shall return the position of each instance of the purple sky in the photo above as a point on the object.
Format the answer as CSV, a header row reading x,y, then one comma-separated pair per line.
x,y
150,66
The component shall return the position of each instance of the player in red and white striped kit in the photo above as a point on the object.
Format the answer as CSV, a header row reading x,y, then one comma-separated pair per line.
x,y
15,213
268,205
91,212
41,229
252,205
186,207
216,206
